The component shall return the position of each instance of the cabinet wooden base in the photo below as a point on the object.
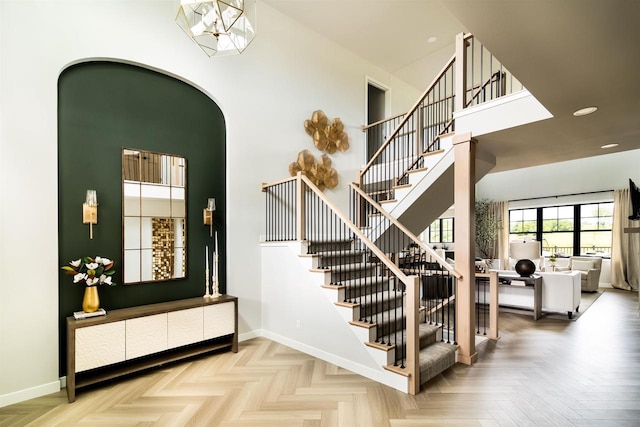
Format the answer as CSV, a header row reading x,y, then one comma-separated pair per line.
x,y
224,342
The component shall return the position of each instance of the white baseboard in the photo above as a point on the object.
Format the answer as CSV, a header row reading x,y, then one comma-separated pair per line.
x,y
249,335
29,393
382,376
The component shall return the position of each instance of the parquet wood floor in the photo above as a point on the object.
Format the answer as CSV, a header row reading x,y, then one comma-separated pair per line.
x,y
551,372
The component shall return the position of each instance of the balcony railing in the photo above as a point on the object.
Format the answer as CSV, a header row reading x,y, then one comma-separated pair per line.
x,y
403,140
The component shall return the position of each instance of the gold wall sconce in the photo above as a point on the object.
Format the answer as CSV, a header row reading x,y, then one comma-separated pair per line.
x,y
207,214
90,211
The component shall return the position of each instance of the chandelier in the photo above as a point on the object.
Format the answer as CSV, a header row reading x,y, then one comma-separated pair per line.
x,y
219,27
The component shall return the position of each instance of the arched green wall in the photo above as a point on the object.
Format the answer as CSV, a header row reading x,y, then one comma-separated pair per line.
x,y
103,107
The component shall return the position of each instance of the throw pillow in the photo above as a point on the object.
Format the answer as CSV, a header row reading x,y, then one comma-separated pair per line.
x,y
581,265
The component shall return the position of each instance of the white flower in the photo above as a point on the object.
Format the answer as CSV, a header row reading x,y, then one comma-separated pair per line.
x,y
98,260
105,261
75,263
92,281
92,266
79,277
105,279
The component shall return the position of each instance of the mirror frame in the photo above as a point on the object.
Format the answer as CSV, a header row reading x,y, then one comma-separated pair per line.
x,y
160,188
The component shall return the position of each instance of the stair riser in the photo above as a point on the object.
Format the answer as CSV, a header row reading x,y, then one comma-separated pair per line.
x,y
316,247
389,326
330,261
424,342
389,303
339,276
353,293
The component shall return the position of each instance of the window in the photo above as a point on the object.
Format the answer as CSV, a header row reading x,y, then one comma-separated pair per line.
x,y
566,230
523,223
596,223
557,229
441,231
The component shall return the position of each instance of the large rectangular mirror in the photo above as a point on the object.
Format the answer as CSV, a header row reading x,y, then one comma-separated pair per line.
x,y
154,216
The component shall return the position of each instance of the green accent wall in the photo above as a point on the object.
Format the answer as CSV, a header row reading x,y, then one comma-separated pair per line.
x,y
102,108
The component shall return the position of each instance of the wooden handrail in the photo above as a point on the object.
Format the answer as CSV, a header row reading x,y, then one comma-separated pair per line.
x,y
378,253
445,130
388,119
484,85
404,121
480,87
441,305
406,231
265,185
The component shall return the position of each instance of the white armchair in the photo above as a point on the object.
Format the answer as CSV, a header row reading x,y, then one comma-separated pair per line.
x,y
589,268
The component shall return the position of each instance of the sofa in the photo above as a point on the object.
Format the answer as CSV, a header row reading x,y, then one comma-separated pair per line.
x,y
560,292
589,269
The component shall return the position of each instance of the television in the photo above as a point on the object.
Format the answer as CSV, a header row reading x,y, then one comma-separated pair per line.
x,y
634,193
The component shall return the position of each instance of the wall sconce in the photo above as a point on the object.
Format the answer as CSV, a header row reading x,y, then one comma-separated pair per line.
x,y
90,211
208,214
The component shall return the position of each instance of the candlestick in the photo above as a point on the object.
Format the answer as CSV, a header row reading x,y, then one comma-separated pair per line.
x,y
206,284
216,243
206,256
215,291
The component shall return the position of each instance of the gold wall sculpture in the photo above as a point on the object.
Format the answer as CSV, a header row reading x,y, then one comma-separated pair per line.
x,y
329,137
320,173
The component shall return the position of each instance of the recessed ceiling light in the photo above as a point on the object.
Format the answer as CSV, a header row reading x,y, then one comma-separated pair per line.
x,y
432,39
585,111
610,145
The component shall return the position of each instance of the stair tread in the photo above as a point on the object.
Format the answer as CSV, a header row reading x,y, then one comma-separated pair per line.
x,y
367,281
352,267
417,170
377,297
384,317
325,241
426,334
346,252
432,153
435,359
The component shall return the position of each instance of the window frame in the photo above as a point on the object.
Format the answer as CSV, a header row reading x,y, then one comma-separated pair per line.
x,y
576,230
442,230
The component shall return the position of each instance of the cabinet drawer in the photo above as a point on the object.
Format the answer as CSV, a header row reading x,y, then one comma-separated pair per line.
x,y
100,345
219,320
185,327
146,335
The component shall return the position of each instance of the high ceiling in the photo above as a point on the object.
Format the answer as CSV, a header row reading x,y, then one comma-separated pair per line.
x,y
569,53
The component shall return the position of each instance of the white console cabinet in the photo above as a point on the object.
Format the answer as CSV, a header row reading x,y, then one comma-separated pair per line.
x,y
137,338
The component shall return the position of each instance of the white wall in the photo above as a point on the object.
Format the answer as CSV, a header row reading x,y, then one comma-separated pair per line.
x,y
265,94
601,173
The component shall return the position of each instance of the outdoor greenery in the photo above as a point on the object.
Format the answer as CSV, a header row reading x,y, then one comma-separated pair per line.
x,y
487,229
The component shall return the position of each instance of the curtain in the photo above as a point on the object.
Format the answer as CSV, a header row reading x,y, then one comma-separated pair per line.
x,y
625,247
500,210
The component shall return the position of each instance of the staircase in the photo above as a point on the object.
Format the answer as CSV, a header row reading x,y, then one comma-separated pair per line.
x,y
397,310
373,304
404,322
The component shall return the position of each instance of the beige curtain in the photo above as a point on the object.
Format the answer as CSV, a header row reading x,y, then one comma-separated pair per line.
x,y
625,247
500,210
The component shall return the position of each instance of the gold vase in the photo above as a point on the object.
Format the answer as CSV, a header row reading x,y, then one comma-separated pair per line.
x,y
91,301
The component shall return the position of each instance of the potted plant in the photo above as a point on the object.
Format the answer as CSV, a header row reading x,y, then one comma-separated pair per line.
x,y
487,229
92,272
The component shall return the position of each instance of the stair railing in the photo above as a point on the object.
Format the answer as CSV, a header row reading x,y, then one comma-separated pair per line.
x,y
378,132
486,294
438,279
415,134
296,210
483,79
486,78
